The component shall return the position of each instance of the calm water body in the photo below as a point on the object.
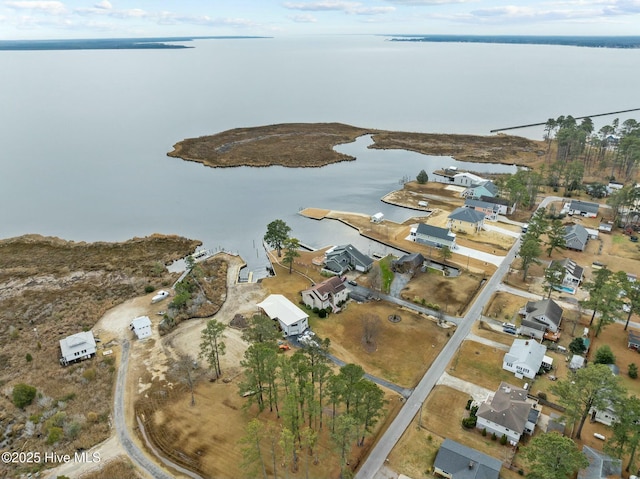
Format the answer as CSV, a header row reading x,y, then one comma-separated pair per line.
x,y
85,133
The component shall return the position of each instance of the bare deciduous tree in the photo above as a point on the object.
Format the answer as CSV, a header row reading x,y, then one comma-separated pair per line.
x,y
370,328
375,277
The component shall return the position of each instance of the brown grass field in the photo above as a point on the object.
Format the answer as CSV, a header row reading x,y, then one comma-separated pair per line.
x,y
504,306
120,467
482,365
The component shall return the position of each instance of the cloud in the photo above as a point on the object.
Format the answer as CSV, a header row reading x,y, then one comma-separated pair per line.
x,y
427,3
104,5
50,7
354,8
302,18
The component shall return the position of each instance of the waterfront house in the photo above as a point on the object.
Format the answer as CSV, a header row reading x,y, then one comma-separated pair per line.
x,y
329,294
141,326
408,263
77,347
341,259
525,358
455,461
292,320
508,412
466,220
433,236
467,179
490,210
480,189
504,207
576,237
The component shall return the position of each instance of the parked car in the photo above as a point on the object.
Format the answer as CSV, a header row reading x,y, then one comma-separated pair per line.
x,y
352,282
634,239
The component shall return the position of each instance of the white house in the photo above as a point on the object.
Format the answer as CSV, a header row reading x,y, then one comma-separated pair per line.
x,y
525,358
292,320
433,236
141,326
508,412
328,294
77,347
583,208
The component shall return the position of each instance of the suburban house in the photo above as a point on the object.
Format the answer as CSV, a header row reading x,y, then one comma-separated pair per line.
x,y
600,465
573,273
341,259
490,210
545,311
466,220
584,208
576,237
330,293
480,189
408,263
141,327
533,329
508,412
504,208
467,179
433,236
292,320
634,340
455,461
525,358
606,416
77,347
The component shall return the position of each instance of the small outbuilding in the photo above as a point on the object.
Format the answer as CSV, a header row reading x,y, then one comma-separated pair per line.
x,y
141,326
377,218
293,321
634,340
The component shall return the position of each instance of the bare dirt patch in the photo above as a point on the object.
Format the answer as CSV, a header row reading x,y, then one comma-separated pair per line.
x,y
504,306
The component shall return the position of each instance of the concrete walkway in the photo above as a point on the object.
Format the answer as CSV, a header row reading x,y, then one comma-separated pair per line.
x,y
487,342
481,255
497,229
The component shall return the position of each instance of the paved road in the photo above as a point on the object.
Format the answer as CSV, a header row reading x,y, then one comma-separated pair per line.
x,y
138,457
385,444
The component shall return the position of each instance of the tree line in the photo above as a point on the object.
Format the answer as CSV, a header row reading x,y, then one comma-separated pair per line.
x,y
309,400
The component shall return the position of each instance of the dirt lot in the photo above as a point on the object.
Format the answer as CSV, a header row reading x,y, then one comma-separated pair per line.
x,y
311,145
504,306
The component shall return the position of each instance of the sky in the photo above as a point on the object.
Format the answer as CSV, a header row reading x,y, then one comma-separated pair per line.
x,y
52,19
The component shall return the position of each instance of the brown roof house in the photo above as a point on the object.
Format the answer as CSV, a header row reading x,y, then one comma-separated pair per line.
x,y
331,293
508,412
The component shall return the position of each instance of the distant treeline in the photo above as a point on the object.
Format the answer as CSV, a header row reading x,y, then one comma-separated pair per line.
x,y
575,41
106,43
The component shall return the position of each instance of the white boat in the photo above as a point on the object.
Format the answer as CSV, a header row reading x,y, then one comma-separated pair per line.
x,y
160,296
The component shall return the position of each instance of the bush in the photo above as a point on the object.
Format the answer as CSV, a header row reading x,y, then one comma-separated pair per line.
x,y
29,358
468,406
484,431
322,313
633,371
55,434
422,177
604,355
149,289
23,395
89,374
493,436
503,439
542,395
469,422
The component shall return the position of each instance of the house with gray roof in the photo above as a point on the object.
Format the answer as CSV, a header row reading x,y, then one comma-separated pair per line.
x,y
524,358
576,237
508,412
489,209
600,465
546,312
573,273
341,259
583,208
408,263
433,236
504,207
77,347
466,219
633,341
455,461
532,329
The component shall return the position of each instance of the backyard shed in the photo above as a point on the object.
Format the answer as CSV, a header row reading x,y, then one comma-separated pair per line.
x,y
141,326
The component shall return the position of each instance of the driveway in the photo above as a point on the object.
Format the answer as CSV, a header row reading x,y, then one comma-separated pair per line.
x,y
481,255
478,393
